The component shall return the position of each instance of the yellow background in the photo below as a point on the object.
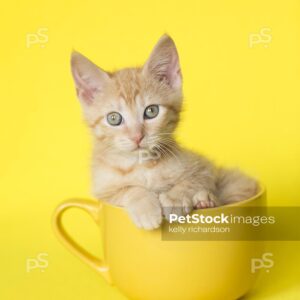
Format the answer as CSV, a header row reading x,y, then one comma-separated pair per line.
x,y
242,109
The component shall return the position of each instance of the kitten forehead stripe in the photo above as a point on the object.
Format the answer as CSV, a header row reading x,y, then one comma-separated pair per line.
x,y
128,84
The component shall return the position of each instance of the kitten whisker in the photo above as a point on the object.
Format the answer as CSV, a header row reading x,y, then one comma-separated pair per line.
x,y
170,152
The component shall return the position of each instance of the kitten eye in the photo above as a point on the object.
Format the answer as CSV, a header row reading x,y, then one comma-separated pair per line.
x,y
114,118
151,111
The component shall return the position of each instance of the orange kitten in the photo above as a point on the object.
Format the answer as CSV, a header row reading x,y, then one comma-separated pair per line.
x,y
136,161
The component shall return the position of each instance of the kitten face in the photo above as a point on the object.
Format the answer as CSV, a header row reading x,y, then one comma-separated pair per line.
x,y
135,108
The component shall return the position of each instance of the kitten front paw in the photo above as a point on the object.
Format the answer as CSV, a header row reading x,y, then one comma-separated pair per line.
x,y
146,213
204,199
174,204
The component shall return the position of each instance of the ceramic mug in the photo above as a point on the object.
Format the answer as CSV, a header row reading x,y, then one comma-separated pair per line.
x,y
146,267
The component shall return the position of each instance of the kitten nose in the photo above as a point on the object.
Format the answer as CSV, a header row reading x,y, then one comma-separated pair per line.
x,y
138,138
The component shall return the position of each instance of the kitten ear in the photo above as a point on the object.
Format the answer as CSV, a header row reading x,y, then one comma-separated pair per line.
x,y
163,63
89,79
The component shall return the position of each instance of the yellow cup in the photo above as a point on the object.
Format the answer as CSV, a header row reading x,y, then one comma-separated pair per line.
x,y
145,267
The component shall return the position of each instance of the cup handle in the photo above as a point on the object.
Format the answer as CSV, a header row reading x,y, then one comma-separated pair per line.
x,y
92,208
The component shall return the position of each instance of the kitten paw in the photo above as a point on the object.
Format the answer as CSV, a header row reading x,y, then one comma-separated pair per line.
x,y
146,213
173,204
204,199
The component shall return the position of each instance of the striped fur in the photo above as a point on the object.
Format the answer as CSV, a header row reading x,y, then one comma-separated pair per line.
x,y
155,177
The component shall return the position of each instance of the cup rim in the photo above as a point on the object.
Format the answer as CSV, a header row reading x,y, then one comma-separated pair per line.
x,y
261,192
